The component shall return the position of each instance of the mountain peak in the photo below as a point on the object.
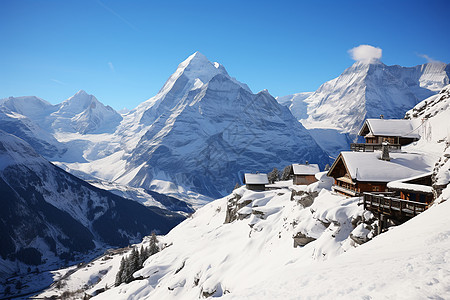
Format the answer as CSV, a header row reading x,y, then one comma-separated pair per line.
x,y
81,92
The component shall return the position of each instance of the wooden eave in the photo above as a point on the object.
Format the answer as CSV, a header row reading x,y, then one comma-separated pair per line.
x,y
340,157
346,179
365,129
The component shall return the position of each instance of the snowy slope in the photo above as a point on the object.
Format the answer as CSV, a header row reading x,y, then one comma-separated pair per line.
x,y
49,215
253,258
410,261
241,246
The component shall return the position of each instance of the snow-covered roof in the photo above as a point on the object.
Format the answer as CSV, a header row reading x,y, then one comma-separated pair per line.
x,y
260,178
367,166
389,127
305,169
402,184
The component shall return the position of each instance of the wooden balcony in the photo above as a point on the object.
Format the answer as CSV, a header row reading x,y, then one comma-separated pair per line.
x,y
393,207
372,147
345,191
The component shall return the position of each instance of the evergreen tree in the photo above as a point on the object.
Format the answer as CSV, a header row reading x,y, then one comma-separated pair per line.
x,y
153,244
274,175
286,173
120,273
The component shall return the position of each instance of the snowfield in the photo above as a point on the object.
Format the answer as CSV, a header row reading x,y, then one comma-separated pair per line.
x,y
254,258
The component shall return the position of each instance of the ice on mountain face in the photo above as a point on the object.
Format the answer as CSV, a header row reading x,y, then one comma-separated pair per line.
x,y
208,137
191,74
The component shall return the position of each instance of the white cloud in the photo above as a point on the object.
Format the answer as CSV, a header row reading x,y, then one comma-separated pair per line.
x,y
365,53
58,81
429,59
111,66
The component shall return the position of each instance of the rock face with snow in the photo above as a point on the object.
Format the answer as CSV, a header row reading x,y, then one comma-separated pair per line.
x,y
431,117
366,90
48,214
205,129
83,113
21,116
296,104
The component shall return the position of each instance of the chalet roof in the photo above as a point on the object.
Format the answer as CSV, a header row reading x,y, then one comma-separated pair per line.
x,y
260,178
389,127
403,184
305,169
368,167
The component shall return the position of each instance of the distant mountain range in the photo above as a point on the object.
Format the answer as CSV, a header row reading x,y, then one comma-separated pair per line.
x,y
202,131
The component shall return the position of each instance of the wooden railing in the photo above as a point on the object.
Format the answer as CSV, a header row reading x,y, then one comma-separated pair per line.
x,y
372,147
338,188
391,206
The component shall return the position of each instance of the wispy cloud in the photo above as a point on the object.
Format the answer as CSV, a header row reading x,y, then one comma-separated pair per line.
x,y
58,82
111,66
117,15
365,53
429,59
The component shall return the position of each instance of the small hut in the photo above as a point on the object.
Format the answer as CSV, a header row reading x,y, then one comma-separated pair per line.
x,y
256,182
304,174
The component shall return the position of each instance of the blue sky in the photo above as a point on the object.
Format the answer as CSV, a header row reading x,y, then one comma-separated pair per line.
x,y
123,51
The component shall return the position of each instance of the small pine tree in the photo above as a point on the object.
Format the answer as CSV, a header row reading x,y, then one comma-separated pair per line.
x,y
274,175
153,249
120,273
286,173
133,264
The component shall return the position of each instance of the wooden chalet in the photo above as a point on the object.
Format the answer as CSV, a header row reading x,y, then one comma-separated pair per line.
x,y
304,174
406,199
376,131
357,172
256,182
417,188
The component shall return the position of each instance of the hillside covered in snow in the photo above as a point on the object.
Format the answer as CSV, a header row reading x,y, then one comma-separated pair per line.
x,y
50,217
294,241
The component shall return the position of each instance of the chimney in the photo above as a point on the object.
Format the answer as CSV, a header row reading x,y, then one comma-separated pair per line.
x,y
381,116
385,151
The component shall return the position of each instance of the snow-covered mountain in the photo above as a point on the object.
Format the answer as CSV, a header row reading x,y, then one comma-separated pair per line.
x,y
83,113
49,215
371,89
201,132
243,246
204,129
296,104
367,90
21,117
